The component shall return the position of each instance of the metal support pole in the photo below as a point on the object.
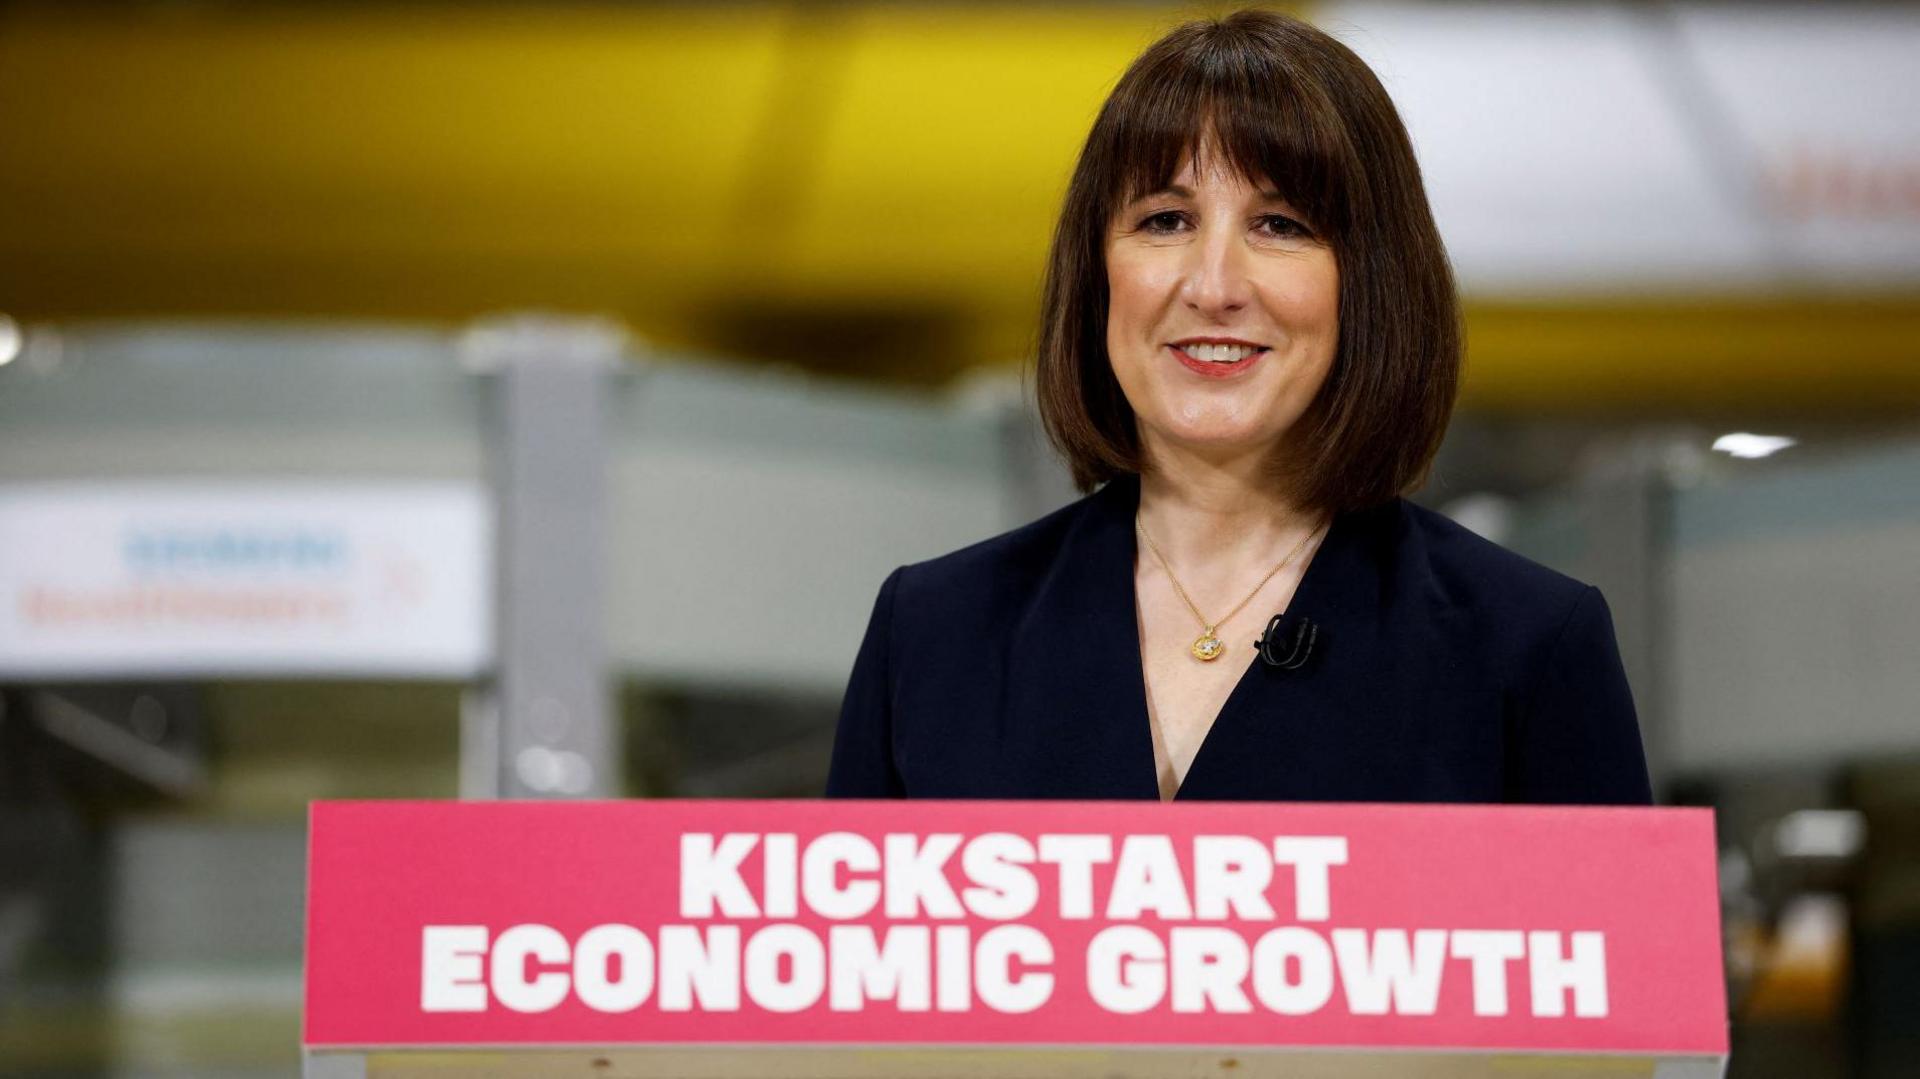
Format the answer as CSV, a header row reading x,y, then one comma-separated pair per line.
x,y
543,726
1034,481
1626,519
333,1066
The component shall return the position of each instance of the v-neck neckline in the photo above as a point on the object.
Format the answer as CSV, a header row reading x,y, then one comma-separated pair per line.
x,y
1126,505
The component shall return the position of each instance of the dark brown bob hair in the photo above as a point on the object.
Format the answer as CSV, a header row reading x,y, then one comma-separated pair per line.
x,y
1281,101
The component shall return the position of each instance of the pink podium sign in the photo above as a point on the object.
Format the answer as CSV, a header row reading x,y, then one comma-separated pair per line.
x,y
1553,931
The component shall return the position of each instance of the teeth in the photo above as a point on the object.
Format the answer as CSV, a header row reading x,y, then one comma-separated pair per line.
x,y
1219,353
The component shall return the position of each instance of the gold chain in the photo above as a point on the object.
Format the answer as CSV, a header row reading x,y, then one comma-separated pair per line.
x,y
1208,646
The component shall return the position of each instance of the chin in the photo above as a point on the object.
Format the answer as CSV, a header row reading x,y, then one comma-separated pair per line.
x,y
1218,426
1218,439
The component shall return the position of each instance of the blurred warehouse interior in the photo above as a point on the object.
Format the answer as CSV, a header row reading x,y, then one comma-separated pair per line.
x,y
574,373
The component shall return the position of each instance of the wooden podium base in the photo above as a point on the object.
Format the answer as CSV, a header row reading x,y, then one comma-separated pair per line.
x,y
813,1062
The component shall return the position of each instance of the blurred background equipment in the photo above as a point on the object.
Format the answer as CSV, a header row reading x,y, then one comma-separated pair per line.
x,y
507,399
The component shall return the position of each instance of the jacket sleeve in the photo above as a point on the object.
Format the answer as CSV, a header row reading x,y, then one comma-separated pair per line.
x,y
1576,739
862,765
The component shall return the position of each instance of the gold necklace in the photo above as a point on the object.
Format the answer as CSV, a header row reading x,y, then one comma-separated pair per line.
x,y
1209,647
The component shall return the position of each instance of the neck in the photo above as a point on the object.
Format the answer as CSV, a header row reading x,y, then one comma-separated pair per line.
x,y
1219,516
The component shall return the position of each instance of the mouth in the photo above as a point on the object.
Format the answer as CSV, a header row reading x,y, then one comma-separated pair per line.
x,y
1217,357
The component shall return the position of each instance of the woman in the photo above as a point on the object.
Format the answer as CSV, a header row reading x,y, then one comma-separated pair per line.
x,y
1250,345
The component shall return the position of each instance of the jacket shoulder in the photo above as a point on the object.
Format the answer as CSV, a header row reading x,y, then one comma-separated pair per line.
x,y
1472,572
1571,731
1520,624
1009,563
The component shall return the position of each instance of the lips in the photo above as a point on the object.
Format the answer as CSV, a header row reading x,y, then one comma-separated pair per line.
x,y
1215,359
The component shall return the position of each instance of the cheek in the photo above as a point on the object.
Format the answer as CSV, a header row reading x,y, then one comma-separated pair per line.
x,y
1329,311
1308,306
1135,290
1305,300
1309,298
1326,296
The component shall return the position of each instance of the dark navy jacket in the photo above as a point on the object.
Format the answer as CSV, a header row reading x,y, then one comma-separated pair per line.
x,y
1447,669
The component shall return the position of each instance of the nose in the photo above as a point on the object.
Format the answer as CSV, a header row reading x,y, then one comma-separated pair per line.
x,y
1216,283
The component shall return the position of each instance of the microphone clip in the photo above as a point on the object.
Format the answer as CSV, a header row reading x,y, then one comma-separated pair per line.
x,y
1288,649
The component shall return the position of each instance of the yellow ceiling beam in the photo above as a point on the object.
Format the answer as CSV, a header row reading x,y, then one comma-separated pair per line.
x,y
1693,355
307,128
867,187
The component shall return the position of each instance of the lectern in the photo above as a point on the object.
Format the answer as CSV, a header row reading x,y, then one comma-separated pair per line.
x,y
791,939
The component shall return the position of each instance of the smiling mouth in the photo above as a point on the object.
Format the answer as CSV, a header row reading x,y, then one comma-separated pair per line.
x,y
1206,352
1218,360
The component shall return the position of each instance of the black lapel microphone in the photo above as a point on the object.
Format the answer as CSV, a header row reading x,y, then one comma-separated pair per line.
x,y
1288,648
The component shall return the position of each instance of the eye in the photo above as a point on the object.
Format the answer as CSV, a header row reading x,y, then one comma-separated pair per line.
x,y
1280,225
1163,222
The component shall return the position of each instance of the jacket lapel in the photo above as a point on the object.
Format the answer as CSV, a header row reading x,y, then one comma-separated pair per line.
x,y
1076,712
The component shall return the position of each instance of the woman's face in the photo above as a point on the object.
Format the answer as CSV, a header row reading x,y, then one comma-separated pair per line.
x,y
1223,313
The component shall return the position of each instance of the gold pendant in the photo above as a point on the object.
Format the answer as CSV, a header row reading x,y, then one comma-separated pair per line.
x,y
1207,647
